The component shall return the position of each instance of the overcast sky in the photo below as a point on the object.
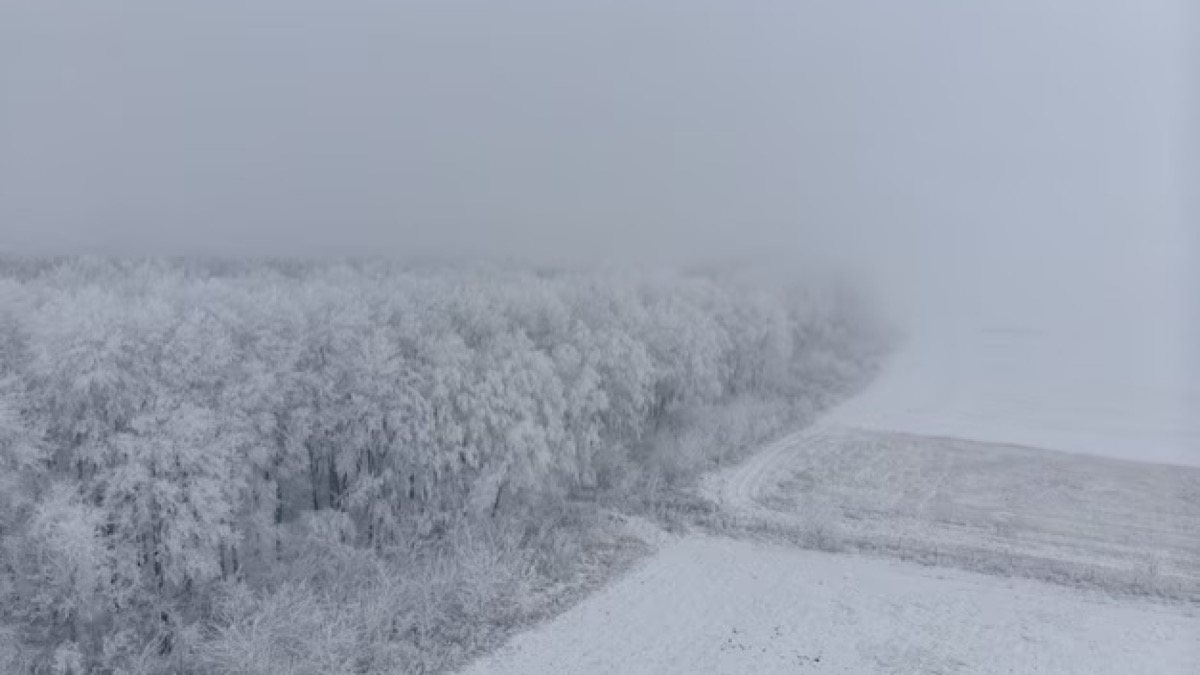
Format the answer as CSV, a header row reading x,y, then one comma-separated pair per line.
x,y
993,151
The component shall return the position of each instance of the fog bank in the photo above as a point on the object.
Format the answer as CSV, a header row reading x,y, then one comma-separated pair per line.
x,y
1014,159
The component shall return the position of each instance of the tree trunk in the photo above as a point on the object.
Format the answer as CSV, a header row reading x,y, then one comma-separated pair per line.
x,y
314,476
499,495
335,486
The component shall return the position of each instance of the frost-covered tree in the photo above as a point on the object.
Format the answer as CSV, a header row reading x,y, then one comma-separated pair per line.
x,y
168,429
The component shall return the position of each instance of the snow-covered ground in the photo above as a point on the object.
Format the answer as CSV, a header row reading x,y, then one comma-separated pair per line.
x,y
1113,391
941,462
714,606
1078,520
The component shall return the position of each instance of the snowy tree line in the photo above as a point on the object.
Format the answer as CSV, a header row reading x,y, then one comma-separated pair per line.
x,y
171,427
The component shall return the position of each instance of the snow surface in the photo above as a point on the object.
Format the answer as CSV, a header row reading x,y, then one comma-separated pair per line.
x,y
707,605
1079,520
1106,393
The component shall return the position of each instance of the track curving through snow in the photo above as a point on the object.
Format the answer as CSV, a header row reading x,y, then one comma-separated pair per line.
x,y
1125,527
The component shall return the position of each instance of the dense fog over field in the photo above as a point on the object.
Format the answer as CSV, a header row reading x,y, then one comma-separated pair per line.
x,y
1009,148
1025,161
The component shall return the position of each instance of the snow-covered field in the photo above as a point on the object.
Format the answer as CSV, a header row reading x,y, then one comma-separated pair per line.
x,y
1110,391
1062,472
1084,521
721,606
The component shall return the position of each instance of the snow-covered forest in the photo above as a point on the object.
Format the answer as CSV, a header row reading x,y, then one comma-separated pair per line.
x,y
236,467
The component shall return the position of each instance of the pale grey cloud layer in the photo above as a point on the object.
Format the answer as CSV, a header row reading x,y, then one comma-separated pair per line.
x,y
1026,153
